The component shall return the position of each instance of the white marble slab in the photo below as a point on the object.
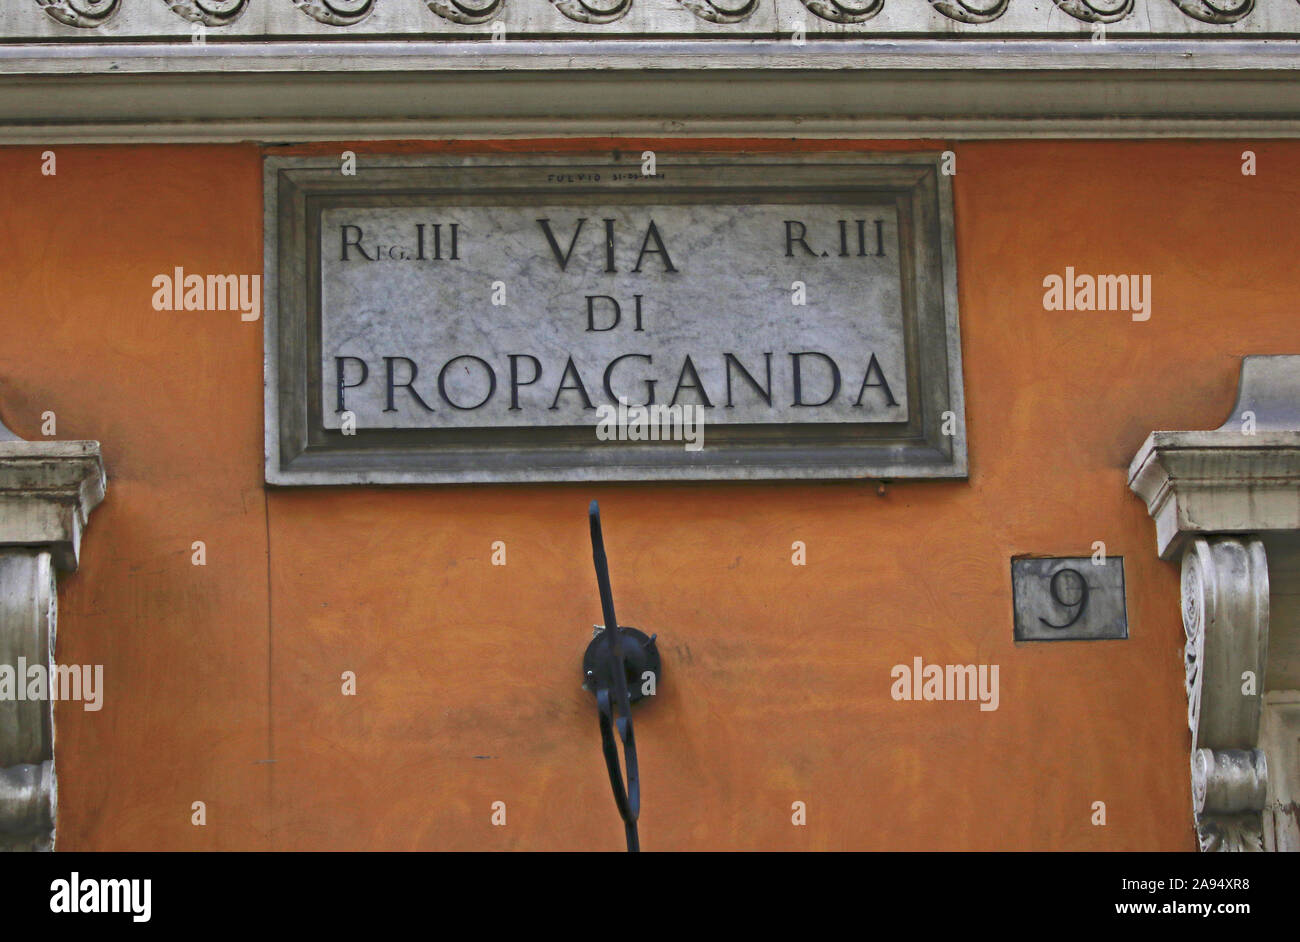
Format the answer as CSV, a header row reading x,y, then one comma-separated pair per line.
x,y
690,284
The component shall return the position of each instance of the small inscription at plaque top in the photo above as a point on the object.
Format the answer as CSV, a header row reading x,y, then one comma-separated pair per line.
x,y
469,319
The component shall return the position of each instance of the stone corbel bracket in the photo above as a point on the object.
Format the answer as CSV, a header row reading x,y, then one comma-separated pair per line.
x,y
1225,618
1211,495
47,491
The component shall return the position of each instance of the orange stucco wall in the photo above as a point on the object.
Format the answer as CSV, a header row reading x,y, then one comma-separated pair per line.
x,y
223,681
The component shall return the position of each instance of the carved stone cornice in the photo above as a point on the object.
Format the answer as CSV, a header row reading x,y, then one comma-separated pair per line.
x,y
1243,477
47,492
278,71
648,17
82,14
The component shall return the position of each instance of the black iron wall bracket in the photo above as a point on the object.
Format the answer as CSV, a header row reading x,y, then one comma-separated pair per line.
x,y
620,666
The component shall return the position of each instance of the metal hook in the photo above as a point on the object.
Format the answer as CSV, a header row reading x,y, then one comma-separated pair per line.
x,y
608,665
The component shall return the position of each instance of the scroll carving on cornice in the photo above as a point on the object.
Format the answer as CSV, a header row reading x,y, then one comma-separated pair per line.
x,y
86,14
580,11
907,17
717,13
208,12
1090,12
466,13
1208,12
964,12
837,11
336,12
1225,619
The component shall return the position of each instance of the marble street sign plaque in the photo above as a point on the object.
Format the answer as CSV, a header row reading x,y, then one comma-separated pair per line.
x,y
474,319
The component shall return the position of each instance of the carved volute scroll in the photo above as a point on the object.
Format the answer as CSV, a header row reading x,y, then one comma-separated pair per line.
x,y
336,12
842,11
1225,618
1210,12
466,13
716,12
209,12
588,11
964,11
84,14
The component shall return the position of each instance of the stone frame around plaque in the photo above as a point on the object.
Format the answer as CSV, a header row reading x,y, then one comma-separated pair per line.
x,y
301,451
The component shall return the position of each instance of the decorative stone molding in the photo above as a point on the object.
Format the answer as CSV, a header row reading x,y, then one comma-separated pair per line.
x,y
336,12
145,19
1216,497
838,11
208,12
289,71
718,13
583,11
458,11
83,14
964,12
47,491
1208,12
1089,12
